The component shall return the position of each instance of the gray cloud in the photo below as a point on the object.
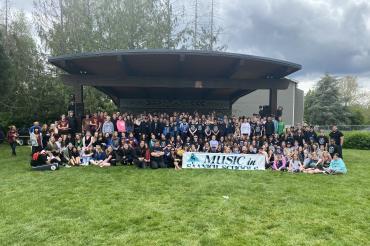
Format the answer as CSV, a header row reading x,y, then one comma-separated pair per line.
x,y
324,36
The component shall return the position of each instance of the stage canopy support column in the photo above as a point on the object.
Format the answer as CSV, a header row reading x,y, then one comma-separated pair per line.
x,y
273,101
79,105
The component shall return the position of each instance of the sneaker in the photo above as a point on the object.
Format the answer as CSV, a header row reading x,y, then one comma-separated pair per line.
x,y
67,166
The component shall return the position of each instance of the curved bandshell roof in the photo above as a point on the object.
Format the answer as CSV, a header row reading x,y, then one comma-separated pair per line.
x,y
175,64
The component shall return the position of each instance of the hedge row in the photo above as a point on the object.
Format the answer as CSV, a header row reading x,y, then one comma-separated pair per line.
x,y
357,140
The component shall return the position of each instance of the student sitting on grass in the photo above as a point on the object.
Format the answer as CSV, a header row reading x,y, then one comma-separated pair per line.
x,y
109,158
324,161
66,155
99,156
312,165
337,166
75,157
279,163
295,165
311,161
86,156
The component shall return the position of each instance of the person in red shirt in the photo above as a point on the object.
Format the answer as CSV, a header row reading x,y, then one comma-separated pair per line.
x,y
12,138
101,118
63,125
94,123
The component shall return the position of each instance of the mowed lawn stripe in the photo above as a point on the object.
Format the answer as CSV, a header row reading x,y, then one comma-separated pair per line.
x,y
127,206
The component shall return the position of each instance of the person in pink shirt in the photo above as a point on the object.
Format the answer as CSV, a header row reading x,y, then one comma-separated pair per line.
x,y
121,125
279,163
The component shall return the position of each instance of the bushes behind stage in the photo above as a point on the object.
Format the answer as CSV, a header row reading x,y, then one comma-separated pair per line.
x,y
357,140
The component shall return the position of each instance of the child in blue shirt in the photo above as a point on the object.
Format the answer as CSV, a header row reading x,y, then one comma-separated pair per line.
x,y
337,166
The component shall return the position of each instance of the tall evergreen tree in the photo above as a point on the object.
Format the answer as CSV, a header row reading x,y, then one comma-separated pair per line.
x,y
323,104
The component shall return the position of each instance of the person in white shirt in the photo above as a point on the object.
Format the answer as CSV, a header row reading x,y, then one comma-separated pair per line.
x,y
245,128
213,143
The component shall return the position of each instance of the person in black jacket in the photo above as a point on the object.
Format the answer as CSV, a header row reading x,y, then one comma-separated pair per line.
x,y
156,127
157,157
145,127
72,122
269,127
126,155
143,155
338,138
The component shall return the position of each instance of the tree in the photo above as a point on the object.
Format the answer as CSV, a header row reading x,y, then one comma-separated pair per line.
x,y
4,68
356,117
324,105
74,26
206,37
33,93
350,90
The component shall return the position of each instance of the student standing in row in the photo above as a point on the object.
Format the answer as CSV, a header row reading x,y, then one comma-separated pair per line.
x,y
12,139
338,138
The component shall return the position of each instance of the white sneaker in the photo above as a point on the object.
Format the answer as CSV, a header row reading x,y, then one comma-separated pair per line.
x,y
67,166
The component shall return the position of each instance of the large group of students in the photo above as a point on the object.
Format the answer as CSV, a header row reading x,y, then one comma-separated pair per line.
x,y
158,140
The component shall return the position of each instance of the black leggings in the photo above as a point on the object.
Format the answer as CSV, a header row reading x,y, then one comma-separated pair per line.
x,y
13,146
140,164
157,164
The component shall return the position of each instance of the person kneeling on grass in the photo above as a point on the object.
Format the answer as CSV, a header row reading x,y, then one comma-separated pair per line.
x,y
157,159
170,157
143,155
337,166
127,155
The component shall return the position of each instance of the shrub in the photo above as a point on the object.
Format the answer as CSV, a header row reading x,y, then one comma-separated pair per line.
x,y
357,140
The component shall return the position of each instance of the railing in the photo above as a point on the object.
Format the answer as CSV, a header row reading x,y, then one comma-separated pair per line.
x,y
346,127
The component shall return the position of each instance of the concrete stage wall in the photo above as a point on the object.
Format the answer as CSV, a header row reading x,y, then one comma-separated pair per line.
x,y
290,99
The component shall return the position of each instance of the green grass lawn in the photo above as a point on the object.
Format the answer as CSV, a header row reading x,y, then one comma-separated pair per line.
x,y
127,206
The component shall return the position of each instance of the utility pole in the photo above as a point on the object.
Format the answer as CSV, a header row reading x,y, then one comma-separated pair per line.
x,y
6,18
168,24
212,14
195,25
62,48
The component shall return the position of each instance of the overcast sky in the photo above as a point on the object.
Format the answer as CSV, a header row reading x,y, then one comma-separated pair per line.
x,y
322,35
